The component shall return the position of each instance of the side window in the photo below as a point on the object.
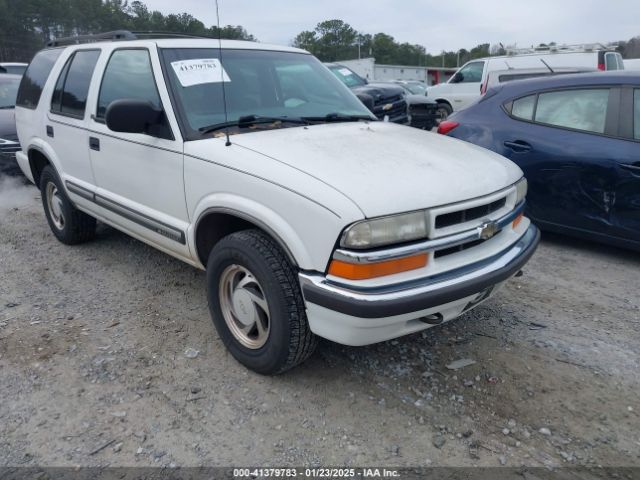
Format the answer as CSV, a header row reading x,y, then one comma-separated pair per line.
x,y
636,114
71,90
35,77
128,75
611,61
56,99
471,72
523,107
584,109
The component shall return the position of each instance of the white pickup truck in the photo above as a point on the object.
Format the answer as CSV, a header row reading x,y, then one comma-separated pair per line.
x,y
255,163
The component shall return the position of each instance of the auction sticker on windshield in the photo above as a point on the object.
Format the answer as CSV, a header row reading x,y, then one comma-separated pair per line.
x,y
199,71
345,71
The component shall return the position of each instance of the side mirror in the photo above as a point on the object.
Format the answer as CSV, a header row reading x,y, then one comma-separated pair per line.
x,y
457,78
367,100
132,116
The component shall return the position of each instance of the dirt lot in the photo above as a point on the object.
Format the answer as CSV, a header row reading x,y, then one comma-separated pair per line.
x,y
93,368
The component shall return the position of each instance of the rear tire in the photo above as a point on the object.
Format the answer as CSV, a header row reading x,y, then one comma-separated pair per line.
x,y
68,224
444,110
256,303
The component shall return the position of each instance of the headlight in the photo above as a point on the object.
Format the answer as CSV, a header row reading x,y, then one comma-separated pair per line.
x,y
385,231
521,190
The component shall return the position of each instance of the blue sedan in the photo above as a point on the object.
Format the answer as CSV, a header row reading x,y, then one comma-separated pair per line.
x,y
577,139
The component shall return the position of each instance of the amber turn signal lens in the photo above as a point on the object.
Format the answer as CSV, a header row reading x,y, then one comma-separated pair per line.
x,y
363,271
517,220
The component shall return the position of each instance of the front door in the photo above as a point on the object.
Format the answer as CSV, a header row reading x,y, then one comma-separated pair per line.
x,y
139,176
465,84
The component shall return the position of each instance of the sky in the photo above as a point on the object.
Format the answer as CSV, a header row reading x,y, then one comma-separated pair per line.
x,y
435,24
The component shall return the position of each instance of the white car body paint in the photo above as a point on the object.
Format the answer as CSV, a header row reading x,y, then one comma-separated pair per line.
x,y
387,168
304,185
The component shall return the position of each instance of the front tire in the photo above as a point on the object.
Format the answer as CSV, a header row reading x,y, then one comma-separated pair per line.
x,y
444,110
68,224
256,303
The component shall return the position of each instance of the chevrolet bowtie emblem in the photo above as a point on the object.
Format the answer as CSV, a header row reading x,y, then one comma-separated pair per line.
x,y
488,230
388,106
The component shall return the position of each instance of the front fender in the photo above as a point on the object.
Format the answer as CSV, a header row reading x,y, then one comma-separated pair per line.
x,y
302,245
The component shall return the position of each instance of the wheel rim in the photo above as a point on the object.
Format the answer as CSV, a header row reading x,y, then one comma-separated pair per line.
x,y
443,113
244,306
54,204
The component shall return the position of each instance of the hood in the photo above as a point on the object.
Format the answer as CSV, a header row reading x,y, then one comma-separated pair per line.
x,y
386,168
413,99
8,124
379,91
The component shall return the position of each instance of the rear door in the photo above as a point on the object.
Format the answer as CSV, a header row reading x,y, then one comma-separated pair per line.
x,y
626,210
139,176
465,84
66,127
560,140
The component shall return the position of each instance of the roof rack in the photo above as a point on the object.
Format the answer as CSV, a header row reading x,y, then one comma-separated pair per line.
x,y
116,35
582,47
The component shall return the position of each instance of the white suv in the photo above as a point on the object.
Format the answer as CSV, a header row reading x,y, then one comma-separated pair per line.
x,y
255,163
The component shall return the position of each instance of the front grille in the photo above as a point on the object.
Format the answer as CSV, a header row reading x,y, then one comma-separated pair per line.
x,y
397,110
466,215
423,108
384,101
458,248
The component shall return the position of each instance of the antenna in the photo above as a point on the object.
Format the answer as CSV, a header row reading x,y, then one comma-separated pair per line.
x,y
224,93
547,65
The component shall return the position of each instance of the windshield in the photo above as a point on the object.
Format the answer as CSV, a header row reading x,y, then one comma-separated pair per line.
x,y
346,76
257,83
8,91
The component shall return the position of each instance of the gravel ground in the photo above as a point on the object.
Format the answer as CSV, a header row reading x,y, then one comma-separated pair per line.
x,y
93,370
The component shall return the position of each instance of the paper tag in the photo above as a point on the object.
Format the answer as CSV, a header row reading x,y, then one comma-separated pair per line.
x,y
345,71
199,71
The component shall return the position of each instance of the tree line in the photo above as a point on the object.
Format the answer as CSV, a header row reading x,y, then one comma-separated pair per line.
x,y
26,25
335,40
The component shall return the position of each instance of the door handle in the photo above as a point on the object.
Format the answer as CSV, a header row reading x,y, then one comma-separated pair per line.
x,y
518,146
94,144
49,131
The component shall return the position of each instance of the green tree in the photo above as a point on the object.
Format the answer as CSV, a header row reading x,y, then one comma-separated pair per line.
x,y
330,41
26,25
306,40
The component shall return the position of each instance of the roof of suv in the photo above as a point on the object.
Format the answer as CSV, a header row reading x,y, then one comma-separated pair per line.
x,y
189,43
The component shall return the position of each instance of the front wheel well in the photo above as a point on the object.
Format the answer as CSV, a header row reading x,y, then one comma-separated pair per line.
x,y
37,162
442,100
214,226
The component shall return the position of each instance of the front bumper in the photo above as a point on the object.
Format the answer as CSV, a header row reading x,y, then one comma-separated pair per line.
x,y
424,118
359,317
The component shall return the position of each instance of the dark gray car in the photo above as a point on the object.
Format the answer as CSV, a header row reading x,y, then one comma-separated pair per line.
x,y
8,138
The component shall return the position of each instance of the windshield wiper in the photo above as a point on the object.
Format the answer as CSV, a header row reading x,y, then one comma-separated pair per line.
x,y
249,120
6,107
339,117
